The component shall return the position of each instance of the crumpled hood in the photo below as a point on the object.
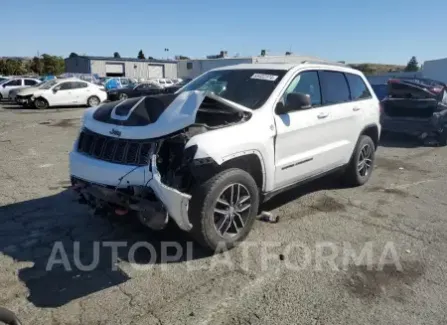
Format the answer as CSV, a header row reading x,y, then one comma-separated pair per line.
x,y
27,91
150,116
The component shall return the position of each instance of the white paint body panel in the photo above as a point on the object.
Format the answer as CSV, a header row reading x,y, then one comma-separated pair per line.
x,y
70,97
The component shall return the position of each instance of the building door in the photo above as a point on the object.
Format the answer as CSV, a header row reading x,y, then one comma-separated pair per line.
x,y
114,69
156,71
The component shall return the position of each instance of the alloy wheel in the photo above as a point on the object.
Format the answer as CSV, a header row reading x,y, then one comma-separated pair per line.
x,y
364,164
232,209
93,101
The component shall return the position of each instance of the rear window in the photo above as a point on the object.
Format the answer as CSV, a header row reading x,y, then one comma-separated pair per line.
x,y
408,91
358,88
334,87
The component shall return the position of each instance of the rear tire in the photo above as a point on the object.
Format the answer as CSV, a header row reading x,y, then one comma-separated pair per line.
x,y
223,209
41,103
93,101
442,137
361,165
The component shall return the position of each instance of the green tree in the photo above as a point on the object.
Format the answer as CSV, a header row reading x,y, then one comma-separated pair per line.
x,y
181,57
52,64
141,55
116,55
412,65
36,65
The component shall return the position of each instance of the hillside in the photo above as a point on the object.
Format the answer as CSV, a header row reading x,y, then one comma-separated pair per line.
x,y
373,68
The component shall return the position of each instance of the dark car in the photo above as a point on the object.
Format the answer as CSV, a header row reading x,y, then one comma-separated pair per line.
x,y
418,107
142,89
381,90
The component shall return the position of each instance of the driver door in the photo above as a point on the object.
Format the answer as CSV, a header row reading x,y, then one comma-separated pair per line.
x,y
62,94
303,140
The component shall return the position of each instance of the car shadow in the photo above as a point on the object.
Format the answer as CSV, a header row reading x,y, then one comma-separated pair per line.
x,y
71,252
399,140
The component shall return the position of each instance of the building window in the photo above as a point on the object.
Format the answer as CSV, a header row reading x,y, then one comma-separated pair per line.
x,y
189,65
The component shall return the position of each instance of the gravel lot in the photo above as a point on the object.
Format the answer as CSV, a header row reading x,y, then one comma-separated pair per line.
x,y
404,204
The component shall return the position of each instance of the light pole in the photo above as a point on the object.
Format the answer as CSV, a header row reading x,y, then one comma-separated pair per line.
x,y
167,55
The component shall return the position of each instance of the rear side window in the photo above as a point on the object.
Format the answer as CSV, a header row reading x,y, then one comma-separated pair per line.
x,y
358,88
80,85
29,82
334,87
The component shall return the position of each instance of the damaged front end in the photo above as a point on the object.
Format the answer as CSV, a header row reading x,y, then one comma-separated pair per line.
x,y
124,172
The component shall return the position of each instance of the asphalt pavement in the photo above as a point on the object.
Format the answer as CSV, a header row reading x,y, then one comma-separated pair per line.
x,y
370,255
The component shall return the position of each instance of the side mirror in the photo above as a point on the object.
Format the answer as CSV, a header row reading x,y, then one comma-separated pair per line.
x,y
55,90
4,86
294,102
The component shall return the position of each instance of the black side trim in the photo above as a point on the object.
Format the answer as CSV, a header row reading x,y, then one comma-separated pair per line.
x,y
297,163
269,195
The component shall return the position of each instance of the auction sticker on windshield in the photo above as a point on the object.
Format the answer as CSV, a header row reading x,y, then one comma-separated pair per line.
x,y
262,76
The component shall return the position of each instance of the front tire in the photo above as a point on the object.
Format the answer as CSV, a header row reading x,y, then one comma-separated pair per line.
x,y
361,165
93,101
41,103
223,209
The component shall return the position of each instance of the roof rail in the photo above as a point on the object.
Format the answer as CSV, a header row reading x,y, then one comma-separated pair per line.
x,y
324,62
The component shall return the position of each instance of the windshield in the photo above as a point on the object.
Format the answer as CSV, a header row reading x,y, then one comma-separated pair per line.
x,y
48,84
250,88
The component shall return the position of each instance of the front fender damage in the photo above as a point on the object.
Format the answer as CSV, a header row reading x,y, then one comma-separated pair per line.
x,y
176,202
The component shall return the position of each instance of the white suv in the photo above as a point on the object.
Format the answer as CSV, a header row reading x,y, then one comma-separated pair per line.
x,y
209,154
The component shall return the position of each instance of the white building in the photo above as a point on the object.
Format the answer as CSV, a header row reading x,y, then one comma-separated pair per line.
x,y
121,67
195,67
435,69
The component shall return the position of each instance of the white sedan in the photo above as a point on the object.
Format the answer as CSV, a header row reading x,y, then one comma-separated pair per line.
x,y
68,92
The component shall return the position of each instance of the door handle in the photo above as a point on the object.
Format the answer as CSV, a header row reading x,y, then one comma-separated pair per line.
x,y
355,109
322,115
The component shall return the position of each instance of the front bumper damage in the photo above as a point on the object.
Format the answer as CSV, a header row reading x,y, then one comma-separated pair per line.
x,y
136,188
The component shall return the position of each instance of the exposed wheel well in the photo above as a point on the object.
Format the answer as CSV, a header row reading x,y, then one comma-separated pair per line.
x,y
373,132
249,163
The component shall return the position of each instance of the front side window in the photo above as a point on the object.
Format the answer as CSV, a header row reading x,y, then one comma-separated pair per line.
x,y
334,87
358,88
15,82
66,86
248,87
306,83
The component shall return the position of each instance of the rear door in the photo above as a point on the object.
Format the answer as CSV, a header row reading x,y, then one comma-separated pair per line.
x,y
347,98
81,92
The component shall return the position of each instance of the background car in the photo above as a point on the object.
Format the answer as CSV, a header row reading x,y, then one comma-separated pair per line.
x,y
164,82
143,89
7,86
381,90
68,92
